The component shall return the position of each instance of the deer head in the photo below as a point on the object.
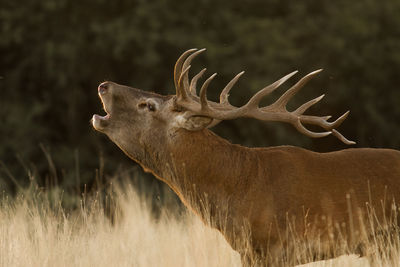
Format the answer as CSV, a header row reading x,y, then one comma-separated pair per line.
x,y
137,120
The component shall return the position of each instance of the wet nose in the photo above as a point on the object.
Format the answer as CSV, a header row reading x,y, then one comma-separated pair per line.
x,y
103,87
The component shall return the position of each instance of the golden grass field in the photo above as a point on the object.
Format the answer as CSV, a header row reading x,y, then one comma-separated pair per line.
x,y
36,232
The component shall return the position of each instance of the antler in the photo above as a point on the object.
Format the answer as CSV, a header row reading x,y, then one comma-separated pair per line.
x,y
186,97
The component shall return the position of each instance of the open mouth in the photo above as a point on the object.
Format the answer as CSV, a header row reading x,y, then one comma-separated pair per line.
x,y
99,117
98,121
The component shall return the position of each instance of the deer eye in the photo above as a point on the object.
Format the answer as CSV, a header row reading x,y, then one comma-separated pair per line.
x,y
151,106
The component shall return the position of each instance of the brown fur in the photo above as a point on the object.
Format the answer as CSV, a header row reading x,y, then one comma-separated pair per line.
x,y
257,187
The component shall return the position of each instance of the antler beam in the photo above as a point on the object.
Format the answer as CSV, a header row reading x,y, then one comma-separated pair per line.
x,y
187,98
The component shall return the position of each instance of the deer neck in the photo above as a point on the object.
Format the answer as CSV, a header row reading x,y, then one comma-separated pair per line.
x,y
197,165
201,166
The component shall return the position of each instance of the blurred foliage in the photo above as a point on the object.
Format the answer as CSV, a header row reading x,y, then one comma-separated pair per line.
x,y
53,54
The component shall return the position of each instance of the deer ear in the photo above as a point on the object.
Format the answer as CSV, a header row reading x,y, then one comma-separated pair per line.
x,y
195,123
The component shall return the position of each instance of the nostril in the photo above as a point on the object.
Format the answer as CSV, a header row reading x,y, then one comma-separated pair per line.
x,y
103,87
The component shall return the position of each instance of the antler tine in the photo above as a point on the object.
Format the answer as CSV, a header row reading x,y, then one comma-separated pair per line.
x,y
300,127
180,89
322,121
203,92
300,110
193,82
186,63
255,100
178,65
223,98
339,120
284,99
342,138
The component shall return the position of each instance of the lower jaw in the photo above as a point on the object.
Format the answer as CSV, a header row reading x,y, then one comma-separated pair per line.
x,y
99,122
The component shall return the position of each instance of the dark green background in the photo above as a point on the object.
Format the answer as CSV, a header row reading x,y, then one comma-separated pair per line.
x,y
53,54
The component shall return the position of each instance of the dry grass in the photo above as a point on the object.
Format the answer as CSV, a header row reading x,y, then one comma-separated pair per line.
x,y
35,232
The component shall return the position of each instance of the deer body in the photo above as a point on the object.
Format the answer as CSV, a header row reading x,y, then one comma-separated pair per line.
x,y
239,187
259,186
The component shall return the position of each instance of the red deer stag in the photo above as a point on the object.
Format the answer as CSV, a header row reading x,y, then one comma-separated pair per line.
x,y
257,187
